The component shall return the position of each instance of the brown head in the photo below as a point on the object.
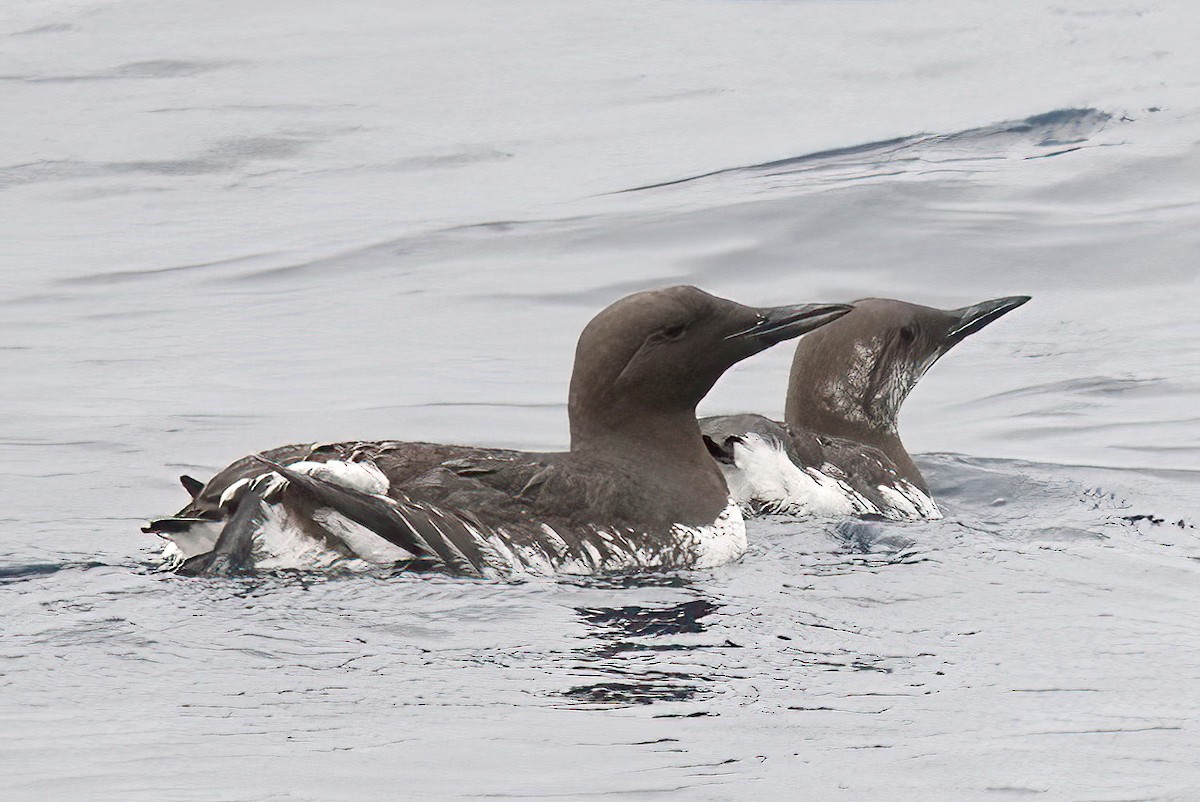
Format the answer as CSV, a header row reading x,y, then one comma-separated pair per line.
x,y
850,379
654,355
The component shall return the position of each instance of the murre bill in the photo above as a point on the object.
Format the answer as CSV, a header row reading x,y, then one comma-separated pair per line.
x,y
637,490
838,451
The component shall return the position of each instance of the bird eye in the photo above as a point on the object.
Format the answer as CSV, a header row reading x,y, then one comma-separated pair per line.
x,y
908,334
673,332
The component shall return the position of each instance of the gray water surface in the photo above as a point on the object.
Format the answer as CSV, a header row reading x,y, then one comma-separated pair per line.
x,y
227,227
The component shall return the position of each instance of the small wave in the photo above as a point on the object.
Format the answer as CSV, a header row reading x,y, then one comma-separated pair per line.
x,y
1084,385
121,276
224,156
26,571
137,70
1041,135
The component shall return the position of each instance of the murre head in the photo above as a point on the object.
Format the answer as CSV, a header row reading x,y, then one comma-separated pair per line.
x,y
653,356
850,379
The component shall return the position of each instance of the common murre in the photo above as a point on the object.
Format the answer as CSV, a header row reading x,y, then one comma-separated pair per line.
x,y
839,450
637,490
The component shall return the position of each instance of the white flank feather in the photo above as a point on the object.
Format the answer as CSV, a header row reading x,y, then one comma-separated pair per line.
x,y
909,503
764,476
723,541
234,491
720,542
364,476
359,539
280,543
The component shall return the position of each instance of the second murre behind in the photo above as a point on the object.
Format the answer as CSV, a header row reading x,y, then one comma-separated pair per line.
x,y
637,490
838,451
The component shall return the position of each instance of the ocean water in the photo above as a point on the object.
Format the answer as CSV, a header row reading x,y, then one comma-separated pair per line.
x,y
231,225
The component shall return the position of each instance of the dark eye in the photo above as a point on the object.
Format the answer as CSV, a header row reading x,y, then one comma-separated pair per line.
x,y
673,332
908,334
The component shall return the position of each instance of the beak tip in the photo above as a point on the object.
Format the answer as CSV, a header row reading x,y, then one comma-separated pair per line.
x,y
787,322
974,318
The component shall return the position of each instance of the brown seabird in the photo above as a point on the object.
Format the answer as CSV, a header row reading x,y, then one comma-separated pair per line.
x,y
637,490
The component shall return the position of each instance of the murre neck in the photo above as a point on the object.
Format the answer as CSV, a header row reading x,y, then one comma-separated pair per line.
x,y
642,367
662,463
853,387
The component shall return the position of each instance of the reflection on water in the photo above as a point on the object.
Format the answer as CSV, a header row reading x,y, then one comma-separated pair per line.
x,y
641,654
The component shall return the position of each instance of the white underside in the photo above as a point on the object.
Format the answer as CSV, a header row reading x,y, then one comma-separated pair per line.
x,y
765,479
329,540
608,551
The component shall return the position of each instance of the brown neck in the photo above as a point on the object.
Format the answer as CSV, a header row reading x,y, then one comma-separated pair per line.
x,y
658,463
831,408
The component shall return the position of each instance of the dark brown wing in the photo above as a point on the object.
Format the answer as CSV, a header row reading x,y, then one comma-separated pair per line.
x,y
428,533
402,462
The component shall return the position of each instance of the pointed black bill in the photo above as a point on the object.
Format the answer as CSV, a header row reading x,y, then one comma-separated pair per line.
x,y
973,318
778,323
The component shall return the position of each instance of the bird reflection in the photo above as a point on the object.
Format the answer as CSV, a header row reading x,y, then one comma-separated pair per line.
x,y
619,623
646,653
